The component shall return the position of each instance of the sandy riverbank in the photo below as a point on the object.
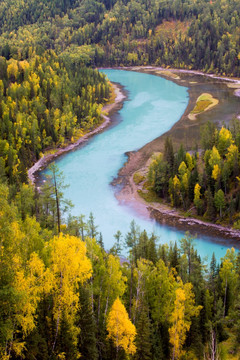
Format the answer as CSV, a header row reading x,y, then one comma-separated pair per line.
x,y
164,72
106,111
184,129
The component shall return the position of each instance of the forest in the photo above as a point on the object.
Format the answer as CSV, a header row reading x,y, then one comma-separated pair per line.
x,y
207,182
202,35
62,295
45,102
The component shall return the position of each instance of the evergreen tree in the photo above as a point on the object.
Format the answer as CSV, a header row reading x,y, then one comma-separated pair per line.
x,y
174,256
86,323
92,228
210,212
168,155
100,241
143,339
152,251
57,186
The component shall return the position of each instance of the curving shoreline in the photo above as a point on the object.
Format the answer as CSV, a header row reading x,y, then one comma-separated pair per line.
x,y
166,215
137,161
109,108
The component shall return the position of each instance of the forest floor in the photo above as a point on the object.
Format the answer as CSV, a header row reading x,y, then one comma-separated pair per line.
x,y
184,131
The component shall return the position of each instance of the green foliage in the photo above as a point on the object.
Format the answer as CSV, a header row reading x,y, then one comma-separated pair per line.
x,y
138,178
55,299
45,102
86,323
201,106
183,34
219,201
143,338
57,293
210,183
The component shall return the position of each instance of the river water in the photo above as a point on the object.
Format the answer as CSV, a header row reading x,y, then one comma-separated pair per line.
x,y
153,106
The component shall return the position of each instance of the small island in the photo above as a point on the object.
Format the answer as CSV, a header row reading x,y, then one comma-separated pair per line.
x,y
204,102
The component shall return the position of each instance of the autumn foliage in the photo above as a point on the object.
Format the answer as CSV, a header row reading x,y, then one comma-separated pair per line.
x,y
120,328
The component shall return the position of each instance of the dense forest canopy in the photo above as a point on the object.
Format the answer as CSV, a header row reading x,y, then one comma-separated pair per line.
x,y
62,296
45,101
207,183
179,33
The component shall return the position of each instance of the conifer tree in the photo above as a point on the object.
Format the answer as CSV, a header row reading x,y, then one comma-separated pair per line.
x,y
143,338
168,154
57,186
86,323
92,228
100,241
210,212
152,251
174,256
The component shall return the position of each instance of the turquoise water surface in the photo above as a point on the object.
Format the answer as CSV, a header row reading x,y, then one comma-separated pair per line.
x,y
153,106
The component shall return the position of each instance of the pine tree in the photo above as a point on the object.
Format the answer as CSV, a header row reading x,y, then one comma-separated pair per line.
x,y
174,256
168,154
92,228
87,337
56,187
210,212
152,251
143,338
100,241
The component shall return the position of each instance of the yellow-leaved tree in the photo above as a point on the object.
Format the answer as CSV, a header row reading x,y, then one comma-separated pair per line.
x,y
120,328
184,309
69,266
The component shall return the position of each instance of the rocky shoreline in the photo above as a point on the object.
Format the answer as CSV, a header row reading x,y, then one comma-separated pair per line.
x,y
109,108
166,215
172,218
137,161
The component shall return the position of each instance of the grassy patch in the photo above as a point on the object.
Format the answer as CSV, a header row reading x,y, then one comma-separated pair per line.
x,y
236,225
146,185
187,214
138,178
149,196
168,74
201,106
171,29
205,96
204,102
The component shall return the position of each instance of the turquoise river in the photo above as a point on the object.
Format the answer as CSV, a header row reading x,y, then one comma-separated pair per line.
x,y
152,107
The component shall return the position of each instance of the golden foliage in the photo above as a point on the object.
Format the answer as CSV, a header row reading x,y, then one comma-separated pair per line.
x,y
184,309
216,172
120,328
